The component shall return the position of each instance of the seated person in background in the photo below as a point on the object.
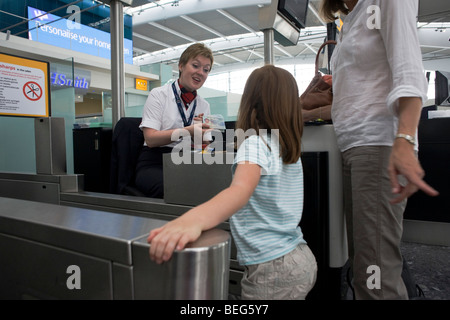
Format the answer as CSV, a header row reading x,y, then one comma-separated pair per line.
x,y
169,108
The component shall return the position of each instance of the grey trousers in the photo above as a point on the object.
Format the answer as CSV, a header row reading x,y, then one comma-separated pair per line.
x,y
374,226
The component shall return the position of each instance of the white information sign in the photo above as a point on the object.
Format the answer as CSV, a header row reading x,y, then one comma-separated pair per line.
x,y
24,87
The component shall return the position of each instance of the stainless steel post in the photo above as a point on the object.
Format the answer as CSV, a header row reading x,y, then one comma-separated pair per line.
x,y
198,272
117,61
50,143
268,45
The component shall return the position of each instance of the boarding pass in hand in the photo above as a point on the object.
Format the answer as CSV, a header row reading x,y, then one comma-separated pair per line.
x,y
215,121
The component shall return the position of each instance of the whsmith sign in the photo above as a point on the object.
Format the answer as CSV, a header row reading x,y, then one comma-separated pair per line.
x,y
62,77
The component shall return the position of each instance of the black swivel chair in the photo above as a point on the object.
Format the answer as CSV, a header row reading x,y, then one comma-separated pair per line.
x,y
127,142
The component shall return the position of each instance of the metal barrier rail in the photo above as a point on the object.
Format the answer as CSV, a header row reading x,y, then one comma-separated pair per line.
x,y
57,252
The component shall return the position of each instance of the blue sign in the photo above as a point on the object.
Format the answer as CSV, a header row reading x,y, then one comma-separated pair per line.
x,y
63,77
50,29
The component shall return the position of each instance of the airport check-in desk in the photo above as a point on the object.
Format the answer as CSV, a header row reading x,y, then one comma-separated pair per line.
x,y
318,139
323,221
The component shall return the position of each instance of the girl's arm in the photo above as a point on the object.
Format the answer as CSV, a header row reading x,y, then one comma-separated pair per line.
x,y
188,227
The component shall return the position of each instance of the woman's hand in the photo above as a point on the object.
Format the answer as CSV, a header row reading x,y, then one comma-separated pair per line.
x,y
198,127
323,113
199,117
157,138
403,161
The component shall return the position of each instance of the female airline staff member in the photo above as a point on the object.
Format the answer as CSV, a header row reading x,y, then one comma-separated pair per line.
x,y
170,108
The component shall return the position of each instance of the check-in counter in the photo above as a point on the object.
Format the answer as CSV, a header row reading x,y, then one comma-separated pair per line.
x,y
187,185
196,178
322,138
194,181
38,187
57,252
200,176
427,219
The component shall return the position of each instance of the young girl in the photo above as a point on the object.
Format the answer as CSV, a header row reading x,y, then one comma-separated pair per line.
x,y
265,199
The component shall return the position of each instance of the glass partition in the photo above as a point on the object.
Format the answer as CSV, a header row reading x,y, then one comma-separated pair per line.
x,y
17,135
63,104
17,145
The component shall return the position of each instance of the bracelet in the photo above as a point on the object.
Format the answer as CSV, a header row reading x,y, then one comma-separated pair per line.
x,y
407,137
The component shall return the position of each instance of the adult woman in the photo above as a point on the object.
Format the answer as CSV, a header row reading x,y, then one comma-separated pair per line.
x,y
167,109
378,90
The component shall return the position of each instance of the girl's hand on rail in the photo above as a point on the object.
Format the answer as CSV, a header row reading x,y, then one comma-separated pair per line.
x,y
174,235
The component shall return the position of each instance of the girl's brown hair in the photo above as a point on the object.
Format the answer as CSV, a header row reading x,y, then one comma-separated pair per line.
x,y
271,101
329,8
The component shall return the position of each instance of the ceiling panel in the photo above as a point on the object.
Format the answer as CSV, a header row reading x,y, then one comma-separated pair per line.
x,y
246,15
212,27
231,29
187,29
434,11
223,25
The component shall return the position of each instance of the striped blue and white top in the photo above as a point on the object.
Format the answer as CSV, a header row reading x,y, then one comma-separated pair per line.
x,y
267,227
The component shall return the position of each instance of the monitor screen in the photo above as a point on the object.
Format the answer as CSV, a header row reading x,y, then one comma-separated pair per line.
x,y
442,88
295,11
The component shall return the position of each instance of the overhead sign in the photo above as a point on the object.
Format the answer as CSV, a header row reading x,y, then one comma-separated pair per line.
x,y
51,29
63,77
24,87
141,84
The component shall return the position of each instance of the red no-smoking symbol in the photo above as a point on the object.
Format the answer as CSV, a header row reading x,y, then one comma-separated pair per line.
x,y
32,91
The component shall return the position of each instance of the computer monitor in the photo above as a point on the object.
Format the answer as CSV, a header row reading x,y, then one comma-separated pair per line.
x,y
442,88
230,124
295,11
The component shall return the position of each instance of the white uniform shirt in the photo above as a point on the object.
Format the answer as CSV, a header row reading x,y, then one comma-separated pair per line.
x,y
161,112
377,61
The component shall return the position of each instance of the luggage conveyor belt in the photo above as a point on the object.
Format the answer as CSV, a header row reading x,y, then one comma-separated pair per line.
x,y
58,252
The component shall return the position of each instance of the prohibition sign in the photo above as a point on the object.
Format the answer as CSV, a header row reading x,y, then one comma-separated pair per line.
x,y
32,91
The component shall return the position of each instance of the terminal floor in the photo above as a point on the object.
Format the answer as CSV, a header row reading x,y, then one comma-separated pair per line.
x,y
430,268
